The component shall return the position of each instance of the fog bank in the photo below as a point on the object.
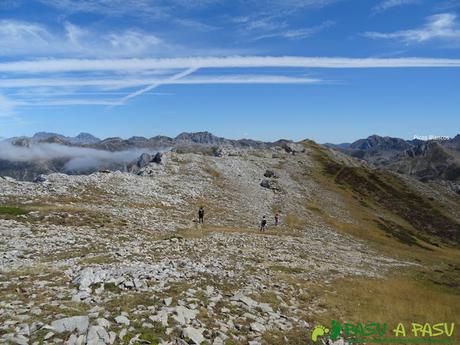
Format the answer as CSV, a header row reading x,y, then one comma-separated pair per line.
x,y
79,158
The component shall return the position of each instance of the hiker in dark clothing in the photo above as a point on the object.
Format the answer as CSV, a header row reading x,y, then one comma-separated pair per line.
x,y
201,215
277,219
263,223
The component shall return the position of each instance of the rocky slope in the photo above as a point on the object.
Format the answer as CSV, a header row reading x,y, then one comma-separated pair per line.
x,y
118,257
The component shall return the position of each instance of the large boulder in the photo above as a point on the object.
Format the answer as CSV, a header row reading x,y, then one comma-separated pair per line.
x,y
293,148
195,335
184,315
71,324
97,335
145,160
122,320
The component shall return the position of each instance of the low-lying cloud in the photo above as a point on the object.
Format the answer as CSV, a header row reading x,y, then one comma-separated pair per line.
x,y
79,159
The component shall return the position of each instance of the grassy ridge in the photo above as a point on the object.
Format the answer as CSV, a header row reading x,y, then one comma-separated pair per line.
x,y
387,191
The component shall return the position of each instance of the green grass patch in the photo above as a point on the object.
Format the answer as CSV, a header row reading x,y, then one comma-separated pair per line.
x,y
11,211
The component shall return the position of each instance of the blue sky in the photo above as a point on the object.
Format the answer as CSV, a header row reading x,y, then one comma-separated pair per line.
x,y
329,70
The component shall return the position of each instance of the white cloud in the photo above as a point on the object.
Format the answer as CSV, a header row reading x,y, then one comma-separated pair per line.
x,y
54,82
10,4
113,84
194,24
6,106
387,4
17,37
273,19
67,102
164,9
48,92
146,10
297,4
442,26
133,41
296,34
21,38
447,5
111,8
274,24
75,34
138,65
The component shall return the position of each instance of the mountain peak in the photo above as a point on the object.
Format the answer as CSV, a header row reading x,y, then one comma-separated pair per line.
x,y
377,141
84,138
40,136
200,138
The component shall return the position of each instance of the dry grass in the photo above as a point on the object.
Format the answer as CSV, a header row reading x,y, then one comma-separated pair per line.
x,y
292,220
378,191
393,300
212,172
296,336
314,206
97,260
77,252
368,216
267,297
204,231
128,301
287,269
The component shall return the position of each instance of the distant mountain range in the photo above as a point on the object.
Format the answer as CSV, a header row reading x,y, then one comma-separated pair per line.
x,y
425,160
27,157
80,139
157,142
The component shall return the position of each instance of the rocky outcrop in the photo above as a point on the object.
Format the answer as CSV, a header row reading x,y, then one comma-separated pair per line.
x,y
426,160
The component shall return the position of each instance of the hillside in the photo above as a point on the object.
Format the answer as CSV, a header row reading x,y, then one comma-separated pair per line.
x,y
425,160
118,257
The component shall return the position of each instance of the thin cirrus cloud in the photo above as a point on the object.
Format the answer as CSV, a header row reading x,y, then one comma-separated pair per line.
x,y
165,8
388,4
19,37
6,106
40,98
99,75
110,8
443,26
447,5
274,25
297,34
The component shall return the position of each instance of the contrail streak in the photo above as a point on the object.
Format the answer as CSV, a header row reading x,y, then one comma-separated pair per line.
x,y
153,86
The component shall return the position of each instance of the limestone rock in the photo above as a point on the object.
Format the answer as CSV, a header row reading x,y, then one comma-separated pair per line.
x,y
194,334
71,324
